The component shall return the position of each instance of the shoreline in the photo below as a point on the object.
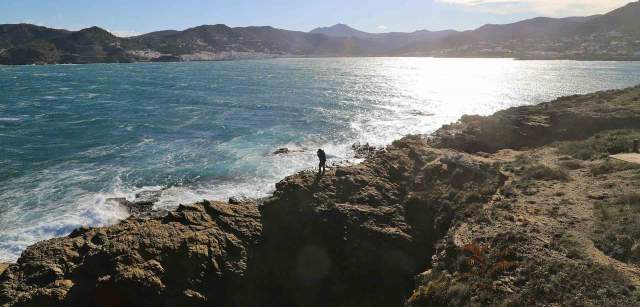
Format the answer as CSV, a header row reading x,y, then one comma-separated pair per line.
x,y
512,191
513,57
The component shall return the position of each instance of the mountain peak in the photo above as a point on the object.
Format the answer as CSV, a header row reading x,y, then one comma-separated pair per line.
x,y
94,29
94,35
341,30
342,26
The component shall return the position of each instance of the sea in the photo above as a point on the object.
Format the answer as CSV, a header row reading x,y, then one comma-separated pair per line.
x,y
74,136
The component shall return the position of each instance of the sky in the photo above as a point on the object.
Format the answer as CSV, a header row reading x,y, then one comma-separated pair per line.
x,y
132,17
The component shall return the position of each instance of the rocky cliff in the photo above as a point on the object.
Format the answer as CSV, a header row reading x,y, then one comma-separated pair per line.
x,y
452,220
194,251
567,118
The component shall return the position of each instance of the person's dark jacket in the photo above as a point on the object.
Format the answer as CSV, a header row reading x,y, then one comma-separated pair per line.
x,y
322,156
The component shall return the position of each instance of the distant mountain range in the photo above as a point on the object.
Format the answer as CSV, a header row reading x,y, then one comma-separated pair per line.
x,y
615,35
383,42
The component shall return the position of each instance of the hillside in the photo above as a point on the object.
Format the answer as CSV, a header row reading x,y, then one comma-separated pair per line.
x,y
383,42
523,207
28,44
612,36
342,30
624,20
17,35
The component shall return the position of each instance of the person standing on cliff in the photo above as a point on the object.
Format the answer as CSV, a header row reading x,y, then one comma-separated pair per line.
x,y
323,161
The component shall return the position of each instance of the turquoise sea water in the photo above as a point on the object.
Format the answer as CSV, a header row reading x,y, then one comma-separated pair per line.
x,y
73,136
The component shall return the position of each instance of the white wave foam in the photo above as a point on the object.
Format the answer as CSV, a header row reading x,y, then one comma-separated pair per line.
x,y
89,95
40,212
60,215
267,170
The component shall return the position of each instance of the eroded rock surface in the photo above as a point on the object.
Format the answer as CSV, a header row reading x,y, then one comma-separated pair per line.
x,y
196,255
353,237
358,235
561,232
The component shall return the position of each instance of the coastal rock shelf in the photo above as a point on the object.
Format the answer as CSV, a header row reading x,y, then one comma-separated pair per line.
x,y
161,261
567,118
458,219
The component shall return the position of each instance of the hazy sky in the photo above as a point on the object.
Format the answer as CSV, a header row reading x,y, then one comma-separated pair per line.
x,y
126,17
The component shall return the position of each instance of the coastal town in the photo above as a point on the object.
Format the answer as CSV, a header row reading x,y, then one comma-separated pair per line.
x,y
609,45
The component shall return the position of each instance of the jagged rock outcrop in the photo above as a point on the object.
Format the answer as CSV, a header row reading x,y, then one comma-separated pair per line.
x,y
357,236
354,237
568,118
194,256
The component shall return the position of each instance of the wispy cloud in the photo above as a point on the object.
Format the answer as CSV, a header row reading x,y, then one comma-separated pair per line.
x,y
555,8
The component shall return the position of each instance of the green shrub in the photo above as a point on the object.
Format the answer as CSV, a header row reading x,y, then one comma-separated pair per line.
x,y
440,291
571,164
543,172
567,283
600,145
569,245
610,166
618,227
630,199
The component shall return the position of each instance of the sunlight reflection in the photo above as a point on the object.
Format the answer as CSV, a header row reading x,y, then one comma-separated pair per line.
x,y
418,95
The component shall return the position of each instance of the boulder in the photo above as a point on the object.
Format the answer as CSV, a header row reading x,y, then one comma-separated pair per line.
x,y
135,208
281,151
152,196
236,200
363,151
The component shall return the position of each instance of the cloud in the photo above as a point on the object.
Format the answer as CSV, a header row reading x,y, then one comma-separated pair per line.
x,y
554,8
382,27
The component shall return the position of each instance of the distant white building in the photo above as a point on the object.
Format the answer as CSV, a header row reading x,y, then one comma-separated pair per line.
x,y
614,34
